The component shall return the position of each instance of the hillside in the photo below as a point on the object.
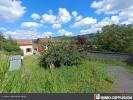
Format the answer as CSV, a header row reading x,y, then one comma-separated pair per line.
x,y
88,36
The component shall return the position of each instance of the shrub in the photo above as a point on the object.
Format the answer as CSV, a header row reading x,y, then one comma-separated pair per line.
x,y
9,47
65,53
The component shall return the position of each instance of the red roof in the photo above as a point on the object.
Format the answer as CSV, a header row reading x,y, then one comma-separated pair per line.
x,y
23,42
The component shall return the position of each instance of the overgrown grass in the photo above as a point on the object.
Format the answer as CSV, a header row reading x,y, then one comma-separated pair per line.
x,y
4,64
86,78
111,62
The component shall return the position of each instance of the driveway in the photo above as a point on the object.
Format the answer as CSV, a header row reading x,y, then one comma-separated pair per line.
x,y
123,79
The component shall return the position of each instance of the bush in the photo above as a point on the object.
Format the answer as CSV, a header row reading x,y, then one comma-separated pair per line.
x,y
9,47
65,54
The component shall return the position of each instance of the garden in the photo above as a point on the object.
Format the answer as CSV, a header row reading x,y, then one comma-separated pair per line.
x,y
89,77
65,67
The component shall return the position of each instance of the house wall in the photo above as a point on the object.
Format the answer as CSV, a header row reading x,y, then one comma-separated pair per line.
x,y
24,49
35,49
39,45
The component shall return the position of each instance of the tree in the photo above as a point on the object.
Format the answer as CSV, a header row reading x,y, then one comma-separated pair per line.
x,y
82,43
64,53
115,38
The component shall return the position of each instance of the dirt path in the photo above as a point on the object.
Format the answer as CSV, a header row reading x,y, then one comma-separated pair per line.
x,y
123,79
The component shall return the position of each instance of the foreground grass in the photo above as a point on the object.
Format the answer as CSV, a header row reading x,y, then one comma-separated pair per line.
x,y
85,78
3,66
111,62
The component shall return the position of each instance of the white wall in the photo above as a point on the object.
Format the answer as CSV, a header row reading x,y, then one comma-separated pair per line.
x,y
24,49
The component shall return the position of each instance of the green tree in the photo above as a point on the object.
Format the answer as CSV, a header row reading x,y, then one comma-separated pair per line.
x,y
64,53
115,38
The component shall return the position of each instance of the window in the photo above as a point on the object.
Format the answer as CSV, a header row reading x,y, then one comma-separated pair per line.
x,y
28,50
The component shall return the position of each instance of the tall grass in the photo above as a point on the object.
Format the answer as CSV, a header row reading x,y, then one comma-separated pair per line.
x,y
4,65
89,77
111,62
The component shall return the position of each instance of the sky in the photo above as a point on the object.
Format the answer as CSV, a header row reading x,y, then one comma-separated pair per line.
x,y
29,19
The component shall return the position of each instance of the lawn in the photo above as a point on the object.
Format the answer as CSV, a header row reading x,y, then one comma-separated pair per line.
x,y
89,77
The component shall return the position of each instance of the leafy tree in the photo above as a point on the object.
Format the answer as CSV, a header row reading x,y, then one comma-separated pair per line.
x,y
65,53
115,38
82,43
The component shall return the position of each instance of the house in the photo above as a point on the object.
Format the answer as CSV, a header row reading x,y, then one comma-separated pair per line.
x,y
36,46
42,43
26,46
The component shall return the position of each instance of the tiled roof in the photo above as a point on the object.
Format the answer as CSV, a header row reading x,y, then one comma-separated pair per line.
x,y
24,42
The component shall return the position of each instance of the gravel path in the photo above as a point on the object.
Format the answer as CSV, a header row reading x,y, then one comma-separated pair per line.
x,y
123,79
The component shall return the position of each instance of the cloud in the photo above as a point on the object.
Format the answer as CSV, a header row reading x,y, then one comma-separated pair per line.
x,y
30,25
127,16
111,6
27,34
23,34
56,20
122,10
56,26
89,31
84,22
63,16
128,13
115,19
64,32
35,16
49,18
74,13
126,22
11,10
106,21
99,25
76,16
48,34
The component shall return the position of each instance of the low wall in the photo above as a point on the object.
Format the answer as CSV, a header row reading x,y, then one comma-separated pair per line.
x,y
119,56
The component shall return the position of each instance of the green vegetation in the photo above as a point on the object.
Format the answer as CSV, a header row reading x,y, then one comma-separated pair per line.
x,y
9,46
63,54
115,38
111,62
85,78
3,66
77,73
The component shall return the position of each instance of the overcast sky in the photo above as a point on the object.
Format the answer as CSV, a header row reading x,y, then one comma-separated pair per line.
x,y
40,18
